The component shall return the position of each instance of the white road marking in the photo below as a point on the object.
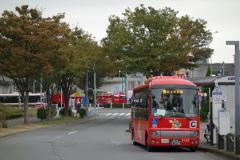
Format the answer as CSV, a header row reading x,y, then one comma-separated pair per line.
x,y
69,133
108,114
128,114
115,114
121,114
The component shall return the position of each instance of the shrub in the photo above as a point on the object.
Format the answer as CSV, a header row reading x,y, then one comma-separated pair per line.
x,y
11,112
41,113
65,110
82,112
53,112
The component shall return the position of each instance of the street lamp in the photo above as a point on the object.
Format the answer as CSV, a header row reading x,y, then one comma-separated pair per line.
x,y
237,93
94,87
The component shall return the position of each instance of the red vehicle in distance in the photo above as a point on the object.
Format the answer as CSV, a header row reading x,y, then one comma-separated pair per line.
x,y
164,113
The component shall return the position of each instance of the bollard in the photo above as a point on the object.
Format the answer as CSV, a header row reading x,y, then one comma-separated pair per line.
x,y
229,142
220,141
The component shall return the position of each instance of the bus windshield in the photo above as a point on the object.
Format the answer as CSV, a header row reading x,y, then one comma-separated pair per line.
x,y
174,102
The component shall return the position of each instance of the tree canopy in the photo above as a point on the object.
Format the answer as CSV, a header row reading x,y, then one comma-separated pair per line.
x,y
27,43
155,41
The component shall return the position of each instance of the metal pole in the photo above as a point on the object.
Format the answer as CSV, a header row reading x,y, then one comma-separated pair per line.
x,y
126,87
237,93
94,87
211,126
61,97
41,88
86,90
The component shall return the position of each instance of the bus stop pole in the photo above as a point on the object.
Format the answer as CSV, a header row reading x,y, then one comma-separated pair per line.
x,y
211,126
237,93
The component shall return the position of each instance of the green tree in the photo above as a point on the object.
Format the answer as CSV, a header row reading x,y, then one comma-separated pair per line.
x,y
26,40
80,54
209,70
156,41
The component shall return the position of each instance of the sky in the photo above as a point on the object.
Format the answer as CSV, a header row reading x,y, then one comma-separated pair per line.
x,y
222,16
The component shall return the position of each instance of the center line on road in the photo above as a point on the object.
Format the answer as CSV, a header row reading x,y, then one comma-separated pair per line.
x,y
69,133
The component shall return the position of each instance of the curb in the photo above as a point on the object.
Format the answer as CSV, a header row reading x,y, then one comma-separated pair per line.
x,y
220,152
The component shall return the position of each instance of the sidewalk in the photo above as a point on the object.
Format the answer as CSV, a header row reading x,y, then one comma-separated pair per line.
x,y
206,147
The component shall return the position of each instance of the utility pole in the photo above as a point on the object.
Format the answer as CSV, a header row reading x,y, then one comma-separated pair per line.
x,y
126,87
94,87
86,91
211,126
237,93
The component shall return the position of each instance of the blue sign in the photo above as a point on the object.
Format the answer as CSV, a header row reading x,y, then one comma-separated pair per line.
x,y
217,93
154,122
85,101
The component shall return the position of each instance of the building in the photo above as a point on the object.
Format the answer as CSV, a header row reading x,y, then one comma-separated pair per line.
x,y
6,85
216,69
117,84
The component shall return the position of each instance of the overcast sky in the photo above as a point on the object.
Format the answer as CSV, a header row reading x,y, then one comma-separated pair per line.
x,y
223,16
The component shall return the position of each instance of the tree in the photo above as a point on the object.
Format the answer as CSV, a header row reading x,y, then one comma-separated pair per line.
x,y
156,41
209,70
26,39
80,52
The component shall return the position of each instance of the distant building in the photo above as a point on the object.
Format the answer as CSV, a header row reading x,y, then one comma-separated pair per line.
x,y
217,69
6,85
117,84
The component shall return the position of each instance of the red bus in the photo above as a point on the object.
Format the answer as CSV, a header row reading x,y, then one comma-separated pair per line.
x,y
164,113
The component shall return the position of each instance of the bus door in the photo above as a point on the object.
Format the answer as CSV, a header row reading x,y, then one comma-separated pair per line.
x,y
143,115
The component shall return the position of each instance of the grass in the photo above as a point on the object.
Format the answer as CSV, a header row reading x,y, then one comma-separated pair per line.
x,y
60,120
32,111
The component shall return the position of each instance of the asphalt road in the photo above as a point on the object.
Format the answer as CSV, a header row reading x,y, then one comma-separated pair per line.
x,y
101,138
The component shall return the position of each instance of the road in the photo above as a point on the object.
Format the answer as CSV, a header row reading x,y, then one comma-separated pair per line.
x,y
101,138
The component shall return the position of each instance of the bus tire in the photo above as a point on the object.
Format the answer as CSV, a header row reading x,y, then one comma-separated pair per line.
x,y
148,148
193,149
133,139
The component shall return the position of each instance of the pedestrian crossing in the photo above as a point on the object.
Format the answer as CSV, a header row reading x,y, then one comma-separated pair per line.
x,y
114,115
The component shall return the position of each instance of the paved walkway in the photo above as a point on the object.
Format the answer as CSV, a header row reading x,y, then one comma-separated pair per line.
x,y
204,146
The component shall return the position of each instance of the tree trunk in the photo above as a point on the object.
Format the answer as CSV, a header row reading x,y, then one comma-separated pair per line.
x,y
66,102
25,100
48,96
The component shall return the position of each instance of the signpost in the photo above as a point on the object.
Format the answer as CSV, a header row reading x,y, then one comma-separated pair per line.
x,y
237,93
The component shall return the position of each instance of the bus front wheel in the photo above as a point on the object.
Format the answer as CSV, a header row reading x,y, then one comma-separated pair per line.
x,y
193,149
148,148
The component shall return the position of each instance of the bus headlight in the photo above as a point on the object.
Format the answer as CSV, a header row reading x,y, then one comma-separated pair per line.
x,y
156,134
